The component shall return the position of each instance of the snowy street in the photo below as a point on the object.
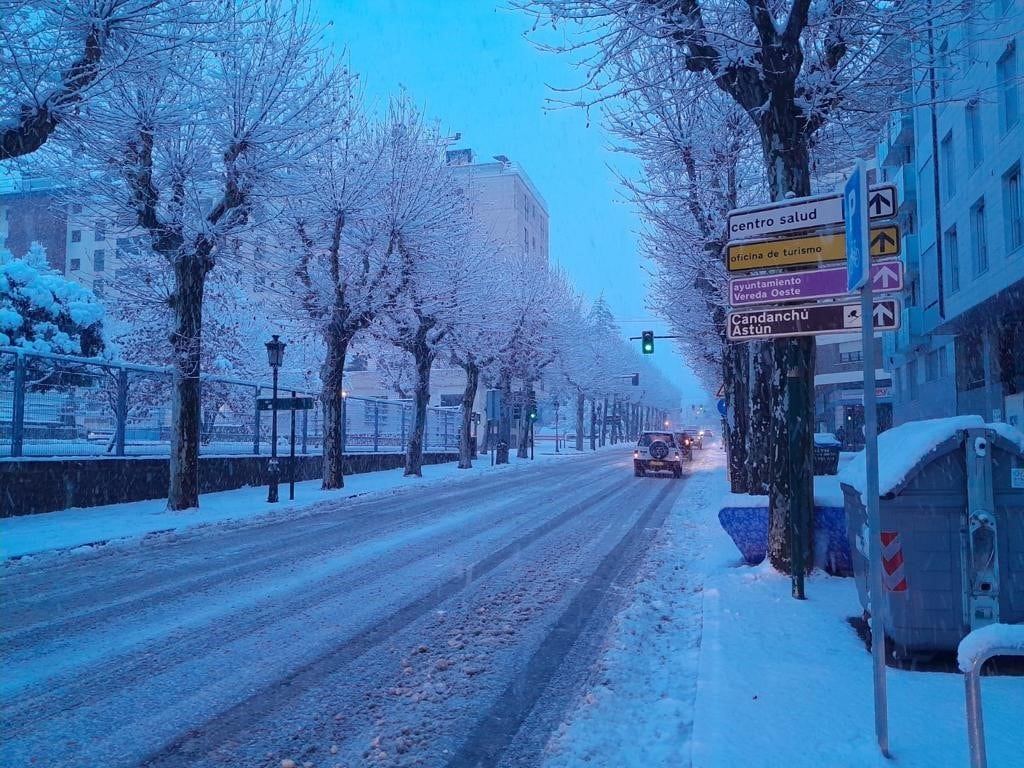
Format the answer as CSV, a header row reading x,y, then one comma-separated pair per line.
x,y
447,626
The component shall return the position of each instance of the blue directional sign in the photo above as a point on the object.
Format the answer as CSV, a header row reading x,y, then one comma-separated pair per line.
x,y
721,406
855,216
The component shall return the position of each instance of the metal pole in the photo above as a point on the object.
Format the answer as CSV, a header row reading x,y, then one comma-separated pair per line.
x,y
556,427
122,411
376,425
272,469
344,415
975,721
798,533
256,425
305,429
291,461
18,406
876,601
531,439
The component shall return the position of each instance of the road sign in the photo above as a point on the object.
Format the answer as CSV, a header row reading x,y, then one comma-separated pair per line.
x,y
886,277
721,406
807,250
809,320
855,214
806,213
284,404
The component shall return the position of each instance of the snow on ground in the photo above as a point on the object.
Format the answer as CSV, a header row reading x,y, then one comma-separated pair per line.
x,y
127,522
713,662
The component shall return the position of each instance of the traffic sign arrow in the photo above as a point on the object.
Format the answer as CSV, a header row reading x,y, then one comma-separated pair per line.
x,y
886,277
882,314
882,241
882,202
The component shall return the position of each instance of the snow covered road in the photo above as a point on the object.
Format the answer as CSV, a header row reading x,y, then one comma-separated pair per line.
x,y
445,627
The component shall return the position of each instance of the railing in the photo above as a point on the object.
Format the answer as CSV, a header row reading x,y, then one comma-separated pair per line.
x,y
60,405
978,647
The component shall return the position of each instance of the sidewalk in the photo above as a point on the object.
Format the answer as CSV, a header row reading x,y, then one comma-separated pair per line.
x,y
122,524
714,664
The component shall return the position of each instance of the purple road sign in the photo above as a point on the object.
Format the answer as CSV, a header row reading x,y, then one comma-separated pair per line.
x,y
886,277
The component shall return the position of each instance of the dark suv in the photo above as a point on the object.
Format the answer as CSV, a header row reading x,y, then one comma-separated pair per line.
x,y
657,452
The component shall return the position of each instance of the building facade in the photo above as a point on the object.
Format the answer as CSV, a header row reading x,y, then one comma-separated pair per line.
x,y
956,159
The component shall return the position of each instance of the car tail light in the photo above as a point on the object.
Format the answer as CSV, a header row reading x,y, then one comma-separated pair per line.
x,y
677,454
636,454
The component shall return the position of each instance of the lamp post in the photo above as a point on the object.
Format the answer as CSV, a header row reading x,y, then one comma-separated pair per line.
x,y
556,425
275,356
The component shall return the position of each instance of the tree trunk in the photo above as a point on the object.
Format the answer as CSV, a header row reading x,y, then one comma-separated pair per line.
x,y
604,420
504,421
186,341
424,358
735,377
468,396
579,421
593,425
331,374
523,447
791,492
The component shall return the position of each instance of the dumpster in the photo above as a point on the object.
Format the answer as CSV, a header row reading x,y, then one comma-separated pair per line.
x,y
951,501
826,453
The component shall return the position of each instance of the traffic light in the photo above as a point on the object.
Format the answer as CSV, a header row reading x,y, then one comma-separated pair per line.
x,y
533,413
636,379
647,343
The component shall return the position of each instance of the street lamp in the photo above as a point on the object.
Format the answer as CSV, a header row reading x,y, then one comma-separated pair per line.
x,y
275,356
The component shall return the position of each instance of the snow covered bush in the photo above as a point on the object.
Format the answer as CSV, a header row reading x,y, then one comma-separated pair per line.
x,y
41,310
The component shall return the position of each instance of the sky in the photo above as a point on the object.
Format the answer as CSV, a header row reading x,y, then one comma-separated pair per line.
x,y
468,65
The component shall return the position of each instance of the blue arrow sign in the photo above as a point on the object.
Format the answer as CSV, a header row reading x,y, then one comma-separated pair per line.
x,y
855,216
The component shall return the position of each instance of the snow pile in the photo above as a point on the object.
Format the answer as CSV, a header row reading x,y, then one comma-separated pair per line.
x,y
826,438
902,448
989,641
1009,433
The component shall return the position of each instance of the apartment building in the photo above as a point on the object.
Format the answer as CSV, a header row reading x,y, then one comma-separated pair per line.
x,y
955,153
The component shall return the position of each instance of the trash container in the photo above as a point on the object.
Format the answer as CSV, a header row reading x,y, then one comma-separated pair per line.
x,y
952,530
826,454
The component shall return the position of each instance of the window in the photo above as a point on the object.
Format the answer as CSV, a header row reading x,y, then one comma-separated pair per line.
x,y
99,259
943,363
851,357
1006,80
974,136
948,160
74,265
76,235
98,287
1013,208
952,260
931,366
76,208
526,239
451,401
912,380
100,232
979,238
972,16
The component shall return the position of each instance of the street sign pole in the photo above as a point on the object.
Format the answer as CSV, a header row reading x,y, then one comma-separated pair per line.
x,y
855,204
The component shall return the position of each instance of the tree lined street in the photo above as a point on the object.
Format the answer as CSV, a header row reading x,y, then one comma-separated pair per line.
x,y
424,629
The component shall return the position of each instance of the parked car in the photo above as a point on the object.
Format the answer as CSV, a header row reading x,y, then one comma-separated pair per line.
x,y
657,452
685,444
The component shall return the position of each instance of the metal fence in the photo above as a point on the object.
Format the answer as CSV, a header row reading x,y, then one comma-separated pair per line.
x,y
58,405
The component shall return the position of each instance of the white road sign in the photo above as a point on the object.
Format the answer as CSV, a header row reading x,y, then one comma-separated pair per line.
x,y
805,213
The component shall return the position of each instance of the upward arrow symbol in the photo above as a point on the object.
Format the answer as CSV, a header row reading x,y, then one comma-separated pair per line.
x,y
881,241
882,314
879,204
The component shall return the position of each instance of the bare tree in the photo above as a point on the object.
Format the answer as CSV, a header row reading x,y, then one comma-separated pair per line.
x,y
792,68
197,150
55,56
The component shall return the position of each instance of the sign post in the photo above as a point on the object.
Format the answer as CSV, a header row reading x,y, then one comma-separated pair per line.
x,y
855,205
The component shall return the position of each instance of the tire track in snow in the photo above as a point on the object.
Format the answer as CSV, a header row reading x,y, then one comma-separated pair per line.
x,y
146,661
486,743
202,740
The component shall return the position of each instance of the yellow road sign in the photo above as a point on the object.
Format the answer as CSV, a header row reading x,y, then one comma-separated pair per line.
x,y
810,250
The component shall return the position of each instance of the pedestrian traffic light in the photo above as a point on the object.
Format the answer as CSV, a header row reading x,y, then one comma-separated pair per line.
x,y
648,342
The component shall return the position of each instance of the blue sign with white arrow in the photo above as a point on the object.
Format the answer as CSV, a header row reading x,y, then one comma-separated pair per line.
x,y
855,216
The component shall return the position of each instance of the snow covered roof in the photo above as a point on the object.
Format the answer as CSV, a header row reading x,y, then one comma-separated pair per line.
x,y
902,449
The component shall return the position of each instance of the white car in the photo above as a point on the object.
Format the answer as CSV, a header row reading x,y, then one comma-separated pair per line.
x,y
657,452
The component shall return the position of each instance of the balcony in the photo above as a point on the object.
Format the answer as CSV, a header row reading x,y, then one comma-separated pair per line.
x,y
896,139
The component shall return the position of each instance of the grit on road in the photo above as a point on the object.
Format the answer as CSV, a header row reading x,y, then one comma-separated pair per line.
x,y
449,627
